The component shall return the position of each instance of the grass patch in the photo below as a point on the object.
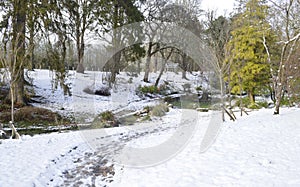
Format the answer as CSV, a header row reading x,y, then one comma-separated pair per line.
x,y
105,119
34,116
159,110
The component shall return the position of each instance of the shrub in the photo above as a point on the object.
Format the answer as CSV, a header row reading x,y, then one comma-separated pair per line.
x,y
254,106
148,89
107,116
263,104
245,100
103,91
290,101
28,115
257,105
160,110
105,120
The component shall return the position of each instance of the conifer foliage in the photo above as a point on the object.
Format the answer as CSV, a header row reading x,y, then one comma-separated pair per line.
x,y
249,67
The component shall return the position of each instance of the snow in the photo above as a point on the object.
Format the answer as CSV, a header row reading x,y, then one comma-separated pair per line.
x,y
257,150
83,105
182,148
22,161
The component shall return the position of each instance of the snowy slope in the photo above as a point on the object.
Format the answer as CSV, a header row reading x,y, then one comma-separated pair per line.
x,y
82,105
257,150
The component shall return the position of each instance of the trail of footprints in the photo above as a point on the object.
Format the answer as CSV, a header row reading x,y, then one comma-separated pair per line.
x,y
97,165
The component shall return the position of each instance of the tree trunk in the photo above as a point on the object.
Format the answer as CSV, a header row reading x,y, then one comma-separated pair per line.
x,y
19,50
147,65
163,66
80,53
31,40
241,93
31,44
19,90
222,95
184,74
147,69
251,97
229,88
114,68
278,97
184,66
155,65
277,106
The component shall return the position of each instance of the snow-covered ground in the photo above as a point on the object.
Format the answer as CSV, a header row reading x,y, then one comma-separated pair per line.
x,y
256,150
83,105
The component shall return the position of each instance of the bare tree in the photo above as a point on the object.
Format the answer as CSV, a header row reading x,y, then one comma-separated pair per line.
x,y
166,54
286,22
218,34
153,15
184,13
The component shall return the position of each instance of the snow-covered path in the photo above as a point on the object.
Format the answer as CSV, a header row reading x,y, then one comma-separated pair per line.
x,y
257,150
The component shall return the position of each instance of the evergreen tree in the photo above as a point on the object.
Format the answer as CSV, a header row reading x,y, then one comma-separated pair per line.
x,y
249,69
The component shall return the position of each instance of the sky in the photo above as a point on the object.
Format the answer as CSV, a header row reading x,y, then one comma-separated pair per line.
x,y
220,5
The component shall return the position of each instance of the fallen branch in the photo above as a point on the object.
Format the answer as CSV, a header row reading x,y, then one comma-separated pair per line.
x,y
228,113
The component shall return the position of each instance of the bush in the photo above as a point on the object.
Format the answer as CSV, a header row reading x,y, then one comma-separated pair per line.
x,y
254,106
107,116
245,100
263,104
28,115
148,89
159,110
103,91
287,101
105,120
246,103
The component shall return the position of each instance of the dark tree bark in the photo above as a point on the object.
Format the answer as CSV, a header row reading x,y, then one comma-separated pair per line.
x,y
163,66
114,68
148,61
19,22
80,52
